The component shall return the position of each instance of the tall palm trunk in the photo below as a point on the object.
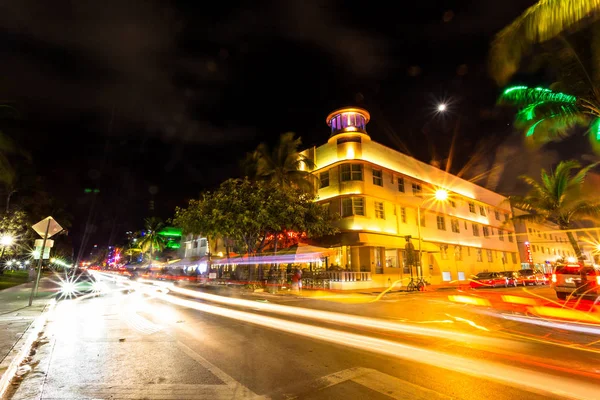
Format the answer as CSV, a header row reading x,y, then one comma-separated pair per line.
x,y
574,243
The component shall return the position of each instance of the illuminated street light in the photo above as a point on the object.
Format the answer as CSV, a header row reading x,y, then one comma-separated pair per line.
x,y
441,107
6,240
441,194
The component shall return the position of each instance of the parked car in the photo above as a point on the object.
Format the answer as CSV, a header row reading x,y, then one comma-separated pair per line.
x,y
532,277
576,280
488,279
513,277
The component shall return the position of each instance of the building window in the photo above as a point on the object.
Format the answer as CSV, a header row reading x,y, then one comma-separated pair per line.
x,y
444,251
379,210
506,217
490,256
501,234
417,189
545,237
353,206
378,258
441,223
472,207
486,231
401,184
455,225
479,255
403,214
530,231
195,246
514,257
497,215
324,179
352,172
378,177
466,226
550,236
457,253
504,258
475,230
482,210
452,203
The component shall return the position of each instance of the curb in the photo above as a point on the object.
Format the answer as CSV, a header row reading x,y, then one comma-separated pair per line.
x,y
22,348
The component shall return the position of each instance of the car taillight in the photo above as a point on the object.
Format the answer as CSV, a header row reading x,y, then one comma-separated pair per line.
x,y
554,278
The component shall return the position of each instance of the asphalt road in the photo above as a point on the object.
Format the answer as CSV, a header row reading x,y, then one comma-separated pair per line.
x,y
146,344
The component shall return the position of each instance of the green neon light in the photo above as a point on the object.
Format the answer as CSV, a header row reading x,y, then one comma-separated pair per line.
x,y
171,231
532,128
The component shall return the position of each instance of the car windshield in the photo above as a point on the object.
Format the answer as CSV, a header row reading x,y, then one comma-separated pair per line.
x,y
484,275
574,270
507,273
526,272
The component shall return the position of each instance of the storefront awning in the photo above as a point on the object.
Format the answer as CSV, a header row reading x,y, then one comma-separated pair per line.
x,y
395,242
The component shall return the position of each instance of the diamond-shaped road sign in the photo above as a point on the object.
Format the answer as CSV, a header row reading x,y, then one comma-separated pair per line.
x,y
41,227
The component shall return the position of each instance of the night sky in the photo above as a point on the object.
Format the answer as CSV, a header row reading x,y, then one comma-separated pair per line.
x,y
160,100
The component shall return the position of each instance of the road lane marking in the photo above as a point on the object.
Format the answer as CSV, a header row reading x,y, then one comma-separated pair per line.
x,y
372,379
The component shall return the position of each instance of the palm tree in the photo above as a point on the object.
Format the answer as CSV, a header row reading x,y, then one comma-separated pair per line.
x,y
152,240
284,164
557,198
545,20
560,27
546,115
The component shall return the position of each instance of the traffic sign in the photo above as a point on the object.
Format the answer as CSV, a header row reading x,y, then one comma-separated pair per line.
x,y
42,227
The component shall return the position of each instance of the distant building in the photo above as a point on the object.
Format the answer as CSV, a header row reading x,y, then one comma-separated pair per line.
x,y
541,245
379,192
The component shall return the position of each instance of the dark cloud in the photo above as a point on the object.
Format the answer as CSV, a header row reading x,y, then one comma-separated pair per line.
x,y
86,57
318,23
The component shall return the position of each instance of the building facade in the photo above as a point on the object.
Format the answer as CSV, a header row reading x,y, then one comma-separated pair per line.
x,y
541,245
380,193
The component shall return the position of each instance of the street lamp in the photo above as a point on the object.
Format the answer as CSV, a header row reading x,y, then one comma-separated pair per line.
x,y
442,107
440,195
6,241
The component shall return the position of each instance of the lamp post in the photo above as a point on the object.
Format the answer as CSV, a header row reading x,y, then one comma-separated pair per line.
x,y
440,195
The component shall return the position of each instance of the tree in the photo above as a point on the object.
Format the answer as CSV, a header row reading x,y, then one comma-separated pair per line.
x,y
569,38
151,240
557,198
252,212
545,20
546,115
283,164
15,224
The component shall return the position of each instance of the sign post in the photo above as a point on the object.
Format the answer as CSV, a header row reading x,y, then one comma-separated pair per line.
x,y
49,227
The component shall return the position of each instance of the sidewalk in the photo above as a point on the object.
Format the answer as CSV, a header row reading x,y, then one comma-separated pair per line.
x,y
17,322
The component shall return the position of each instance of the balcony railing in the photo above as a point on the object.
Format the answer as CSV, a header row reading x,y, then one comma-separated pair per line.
x,y
347,276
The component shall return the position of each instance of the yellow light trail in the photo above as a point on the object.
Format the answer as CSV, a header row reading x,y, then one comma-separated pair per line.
x,y
508,375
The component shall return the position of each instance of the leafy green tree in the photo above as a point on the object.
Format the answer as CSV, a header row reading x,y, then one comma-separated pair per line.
x,y
152,241
251,212
557,198
282,164
15,224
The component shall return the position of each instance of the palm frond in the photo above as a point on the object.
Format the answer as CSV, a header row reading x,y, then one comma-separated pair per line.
x,y
584,210
524,96
579,178
553,127
543,21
